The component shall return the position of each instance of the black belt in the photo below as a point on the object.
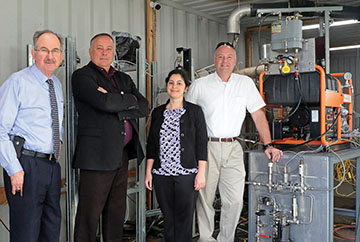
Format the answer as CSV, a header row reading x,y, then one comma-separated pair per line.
x,y
36,154
222,139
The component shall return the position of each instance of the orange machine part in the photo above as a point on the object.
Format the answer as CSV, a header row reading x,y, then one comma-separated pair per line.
x,y
327,99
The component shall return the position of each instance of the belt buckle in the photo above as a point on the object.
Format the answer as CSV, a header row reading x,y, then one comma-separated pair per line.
x,y
220,140
50,156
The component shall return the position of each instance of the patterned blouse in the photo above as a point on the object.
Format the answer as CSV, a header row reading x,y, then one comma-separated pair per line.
x,y
170,154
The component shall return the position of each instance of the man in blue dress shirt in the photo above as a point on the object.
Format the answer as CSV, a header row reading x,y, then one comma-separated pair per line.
x,y
32,177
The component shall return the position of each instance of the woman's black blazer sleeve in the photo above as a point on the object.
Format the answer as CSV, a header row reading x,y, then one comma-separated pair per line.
x,y
153,138
201,136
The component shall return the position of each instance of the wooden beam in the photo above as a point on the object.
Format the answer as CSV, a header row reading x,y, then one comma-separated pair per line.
x,y
341,44
3,199
248,49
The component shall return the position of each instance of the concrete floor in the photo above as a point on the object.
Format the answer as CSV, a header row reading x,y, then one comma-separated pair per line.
x,y
349,203
154,235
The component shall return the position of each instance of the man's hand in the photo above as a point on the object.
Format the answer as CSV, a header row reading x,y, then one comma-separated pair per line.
x,y
17,182
273,153
100,89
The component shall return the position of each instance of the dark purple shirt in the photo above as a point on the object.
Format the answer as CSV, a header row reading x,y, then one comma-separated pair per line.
x,y
110,76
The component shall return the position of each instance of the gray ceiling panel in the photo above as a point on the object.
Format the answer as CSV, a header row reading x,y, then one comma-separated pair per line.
x,y
221,10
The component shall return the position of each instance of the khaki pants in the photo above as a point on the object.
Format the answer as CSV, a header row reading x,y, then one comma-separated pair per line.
x,y
226,170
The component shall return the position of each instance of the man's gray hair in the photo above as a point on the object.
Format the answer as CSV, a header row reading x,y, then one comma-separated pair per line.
x,y
98,35
37,35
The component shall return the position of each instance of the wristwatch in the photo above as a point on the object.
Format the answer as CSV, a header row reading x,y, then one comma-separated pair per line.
x,y
268,145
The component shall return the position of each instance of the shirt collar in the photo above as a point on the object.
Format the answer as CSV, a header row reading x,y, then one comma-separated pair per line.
x,y
39,75
108,74
217,77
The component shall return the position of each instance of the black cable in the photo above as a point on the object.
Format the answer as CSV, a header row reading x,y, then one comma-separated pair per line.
x,y
301,91
300,99
260,25
332,125
294,111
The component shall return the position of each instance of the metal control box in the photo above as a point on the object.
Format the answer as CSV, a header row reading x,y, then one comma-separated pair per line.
x,y
306,62
286,34
298,205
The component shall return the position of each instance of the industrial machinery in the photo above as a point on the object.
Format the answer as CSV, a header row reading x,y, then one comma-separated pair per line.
x,y
184,60
292,200
304,103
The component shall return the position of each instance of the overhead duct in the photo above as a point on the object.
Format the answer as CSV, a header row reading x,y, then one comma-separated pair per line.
x,y
233,23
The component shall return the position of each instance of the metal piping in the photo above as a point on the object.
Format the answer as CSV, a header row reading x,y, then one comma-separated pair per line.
x,y
252,72
233,22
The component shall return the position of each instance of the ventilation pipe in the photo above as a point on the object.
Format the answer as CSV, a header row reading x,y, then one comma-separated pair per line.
x,y
233,23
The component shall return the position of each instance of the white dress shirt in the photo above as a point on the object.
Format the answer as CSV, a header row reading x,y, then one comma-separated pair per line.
x,y
225,103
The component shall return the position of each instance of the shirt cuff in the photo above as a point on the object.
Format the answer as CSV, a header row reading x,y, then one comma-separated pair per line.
x,y
13,168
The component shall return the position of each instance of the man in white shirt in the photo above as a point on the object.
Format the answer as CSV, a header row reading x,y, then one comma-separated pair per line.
x,y
224,97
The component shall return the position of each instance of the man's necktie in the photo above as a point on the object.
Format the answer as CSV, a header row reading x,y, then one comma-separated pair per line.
x,y
55,118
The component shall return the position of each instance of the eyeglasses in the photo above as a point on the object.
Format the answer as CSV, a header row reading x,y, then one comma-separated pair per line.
x,y
224,43
46,51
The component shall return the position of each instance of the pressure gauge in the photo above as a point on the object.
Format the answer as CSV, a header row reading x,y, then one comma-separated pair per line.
x,y
347,76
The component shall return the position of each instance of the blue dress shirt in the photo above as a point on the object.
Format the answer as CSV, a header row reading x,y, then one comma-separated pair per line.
x,y
25,111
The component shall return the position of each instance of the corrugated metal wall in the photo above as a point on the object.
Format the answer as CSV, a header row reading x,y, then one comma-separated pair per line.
x,y
349,61
84,18
178,28
80,19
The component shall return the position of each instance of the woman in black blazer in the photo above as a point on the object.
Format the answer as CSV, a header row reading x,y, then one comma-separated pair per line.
x,y
176,158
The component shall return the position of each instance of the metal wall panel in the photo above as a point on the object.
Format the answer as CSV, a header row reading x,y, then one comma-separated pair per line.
x,y
203,38
349,61
192,37
9,52
165,42
120,14
80,19
81,26
180,35
179,28
136,16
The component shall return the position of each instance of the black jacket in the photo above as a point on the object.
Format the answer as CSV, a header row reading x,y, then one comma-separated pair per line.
x,y
193,136
100,131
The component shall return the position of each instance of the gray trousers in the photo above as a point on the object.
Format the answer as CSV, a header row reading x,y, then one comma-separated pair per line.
x,y
226,171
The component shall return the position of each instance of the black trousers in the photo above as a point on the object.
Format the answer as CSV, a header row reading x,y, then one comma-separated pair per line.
x,y
177,199
102,193
36,216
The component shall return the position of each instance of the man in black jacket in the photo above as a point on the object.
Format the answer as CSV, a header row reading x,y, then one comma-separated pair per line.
x,y
108,105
